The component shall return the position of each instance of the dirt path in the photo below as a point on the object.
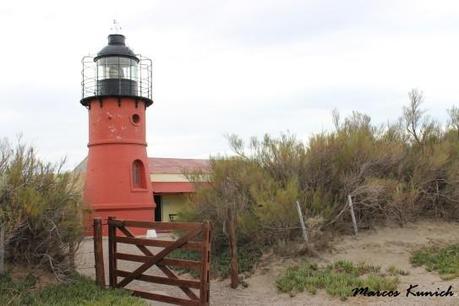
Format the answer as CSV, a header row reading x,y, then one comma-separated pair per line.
x,y
382,247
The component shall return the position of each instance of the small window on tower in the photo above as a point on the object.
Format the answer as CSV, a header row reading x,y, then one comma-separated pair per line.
x,y
138,174
135,119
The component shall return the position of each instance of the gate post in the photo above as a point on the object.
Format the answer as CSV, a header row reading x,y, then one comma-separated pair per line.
x,y
111,252
99,253
205,269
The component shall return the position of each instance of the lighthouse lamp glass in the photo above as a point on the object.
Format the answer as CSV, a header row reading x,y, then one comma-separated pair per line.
x,y
115,67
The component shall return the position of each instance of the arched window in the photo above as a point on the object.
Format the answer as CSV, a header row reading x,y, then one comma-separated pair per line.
x,y
138,174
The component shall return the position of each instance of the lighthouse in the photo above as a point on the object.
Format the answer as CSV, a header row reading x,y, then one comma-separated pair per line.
x,y
117,90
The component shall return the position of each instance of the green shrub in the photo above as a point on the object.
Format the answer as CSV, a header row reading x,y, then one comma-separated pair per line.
x,y
76,291
393,270
40,209
445,260
338,279
248,257
220,264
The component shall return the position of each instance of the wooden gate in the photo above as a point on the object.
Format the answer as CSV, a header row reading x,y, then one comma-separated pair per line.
x,y
194,237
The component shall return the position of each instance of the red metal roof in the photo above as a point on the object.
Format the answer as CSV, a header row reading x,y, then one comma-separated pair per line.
x,y
177,165
166,165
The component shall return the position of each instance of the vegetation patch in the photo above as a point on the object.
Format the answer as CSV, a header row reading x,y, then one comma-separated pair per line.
x,y
393,270
247,259
338,279
40,211
220,264
77,291
396,172
445,260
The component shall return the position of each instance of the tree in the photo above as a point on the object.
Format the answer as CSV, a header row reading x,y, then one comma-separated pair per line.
x,y
413,114
419,127
454,118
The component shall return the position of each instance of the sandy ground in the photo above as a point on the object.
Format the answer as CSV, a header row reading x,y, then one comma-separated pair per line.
x,y
382,247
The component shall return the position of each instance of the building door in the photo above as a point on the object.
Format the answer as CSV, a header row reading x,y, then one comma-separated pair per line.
x,y
158,209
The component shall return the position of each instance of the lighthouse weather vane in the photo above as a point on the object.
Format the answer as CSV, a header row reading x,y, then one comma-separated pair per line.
x,y
116,27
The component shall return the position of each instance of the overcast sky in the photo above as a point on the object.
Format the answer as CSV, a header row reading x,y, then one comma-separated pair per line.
x,y
220,67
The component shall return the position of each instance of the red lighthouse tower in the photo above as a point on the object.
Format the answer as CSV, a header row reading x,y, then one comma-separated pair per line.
x,y
117,91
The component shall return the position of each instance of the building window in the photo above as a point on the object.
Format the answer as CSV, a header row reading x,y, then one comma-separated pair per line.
x,y
138,174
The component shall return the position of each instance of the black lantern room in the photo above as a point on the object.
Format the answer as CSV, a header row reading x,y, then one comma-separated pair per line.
x,y
116,71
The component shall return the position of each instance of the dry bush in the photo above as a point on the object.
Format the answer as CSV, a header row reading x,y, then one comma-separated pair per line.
x,y
398,172
39,209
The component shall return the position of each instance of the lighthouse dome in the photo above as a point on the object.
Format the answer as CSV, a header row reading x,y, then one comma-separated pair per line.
x,y
116,47
116,71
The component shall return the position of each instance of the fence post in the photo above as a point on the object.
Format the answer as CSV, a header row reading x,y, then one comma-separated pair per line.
x,y
111,252
204,293
99,253
351,207
303,226
2,249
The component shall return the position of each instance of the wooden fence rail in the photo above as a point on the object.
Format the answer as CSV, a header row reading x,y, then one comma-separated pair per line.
x,y
193,237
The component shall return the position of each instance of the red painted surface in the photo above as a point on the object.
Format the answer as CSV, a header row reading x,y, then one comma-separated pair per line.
x,y
115,142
